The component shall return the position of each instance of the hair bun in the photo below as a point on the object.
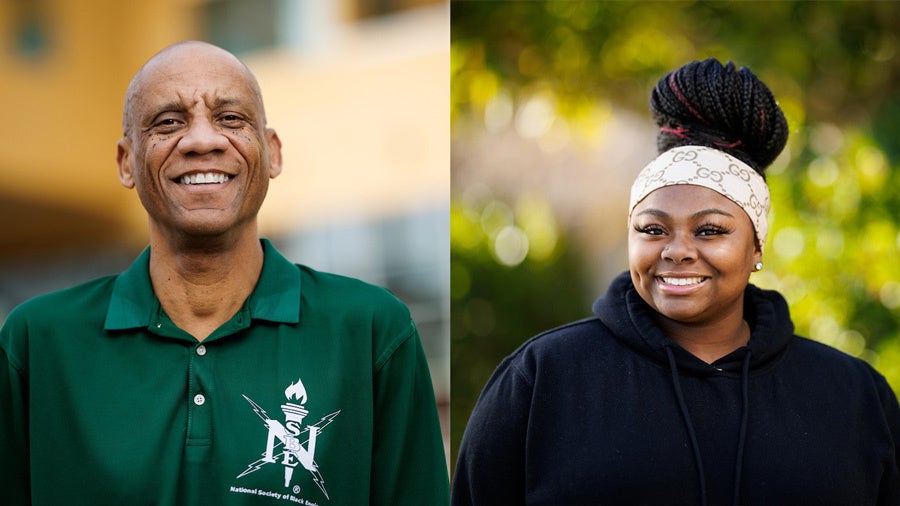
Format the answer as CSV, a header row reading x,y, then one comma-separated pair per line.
x,y
709,104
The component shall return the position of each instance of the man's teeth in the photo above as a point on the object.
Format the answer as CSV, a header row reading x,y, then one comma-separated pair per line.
x,y
682,281
204,178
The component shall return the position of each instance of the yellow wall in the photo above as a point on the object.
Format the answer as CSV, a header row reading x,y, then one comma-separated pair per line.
x,y
61,109
364,122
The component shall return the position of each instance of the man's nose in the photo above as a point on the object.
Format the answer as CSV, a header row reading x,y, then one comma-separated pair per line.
x,y
202,137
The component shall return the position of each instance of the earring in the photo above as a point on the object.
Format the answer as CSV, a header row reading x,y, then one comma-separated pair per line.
x,y
757,266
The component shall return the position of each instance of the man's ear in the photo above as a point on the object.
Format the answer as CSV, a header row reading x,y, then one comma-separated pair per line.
x,y
274,145
125,158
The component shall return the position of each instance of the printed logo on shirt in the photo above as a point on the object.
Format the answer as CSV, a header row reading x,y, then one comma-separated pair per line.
x,y
289,444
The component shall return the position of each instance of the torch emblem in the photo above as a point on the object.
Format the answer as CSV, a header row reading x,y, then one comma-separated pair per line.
x,y
290,443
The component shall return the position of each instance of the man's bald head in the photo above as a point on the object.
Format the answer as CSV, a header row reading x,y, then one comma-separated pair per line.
x,y
185,50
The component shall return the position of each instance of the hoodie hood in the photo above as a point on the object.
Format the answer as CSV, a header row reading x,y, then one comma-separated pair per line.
x,y
633,322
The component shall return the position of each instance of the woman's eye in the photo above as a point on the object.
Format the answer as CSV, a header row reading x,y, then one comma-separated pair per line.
x,y
710,230
649,230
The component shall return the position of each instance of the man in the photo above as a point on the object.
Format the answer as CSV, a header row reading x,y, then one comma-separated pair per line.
x,y
213,371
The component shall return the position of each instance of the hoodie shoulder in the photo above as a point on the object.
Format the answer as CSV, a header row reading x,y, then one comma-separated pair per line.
x,y
564,334
815,354
562,346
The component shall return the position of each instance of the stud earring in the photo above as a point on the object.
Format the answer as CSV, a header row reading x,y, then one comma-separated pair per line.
x,y
757,266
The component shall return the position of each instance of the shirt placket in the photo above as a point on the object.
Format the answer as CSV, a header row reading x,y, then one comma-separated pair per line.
x,y
199,423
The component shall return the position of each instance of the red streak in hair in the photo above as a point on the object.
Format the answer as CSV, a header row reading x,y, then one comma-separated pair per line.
x,y
678,132
683,100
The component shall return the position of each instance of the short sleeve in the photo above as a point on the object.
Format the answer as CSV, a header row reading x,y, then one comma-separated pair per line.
x,y
14,462
408,463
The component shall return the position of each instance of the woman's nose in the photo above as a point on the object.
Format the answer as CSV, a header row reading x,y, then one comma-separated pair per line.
x,y
679,249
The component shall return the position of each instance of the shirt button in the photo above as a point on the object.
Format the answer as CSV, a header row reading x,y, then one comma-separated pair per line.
x,y
199,399
201,350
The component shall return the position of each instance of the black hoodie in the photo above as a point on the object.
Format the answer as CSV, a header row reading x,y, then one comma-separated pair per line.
x,y
609,410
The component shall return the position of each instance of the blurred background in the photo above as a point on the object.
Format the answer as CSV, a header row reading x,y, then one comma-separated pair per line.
x,y
550,124
357,90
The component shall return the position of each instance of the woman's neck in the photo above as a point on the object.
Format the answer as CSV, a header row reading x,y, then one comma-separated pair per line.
x,y
708,341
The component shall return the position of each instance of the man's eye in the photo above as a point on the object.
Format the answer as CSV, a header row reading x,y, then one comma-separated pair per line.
x,y
166,123
232,120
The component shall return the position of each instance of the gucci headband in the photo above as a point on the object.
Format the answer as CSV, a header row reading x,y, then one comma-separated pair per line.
x,y
713,169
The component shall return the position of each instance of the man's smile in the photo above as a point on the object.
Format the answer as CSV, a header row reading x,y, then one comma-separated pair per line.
x,y
204,178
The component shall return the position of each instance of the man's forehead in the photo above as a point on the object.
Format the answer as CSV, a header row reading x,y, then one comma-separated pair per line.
x,y
204,74
184,99
192,54
213,83
194,61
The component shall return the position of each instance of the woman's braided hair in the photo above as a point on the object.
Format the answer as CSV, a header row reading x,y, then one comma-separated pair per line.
x,y
705,103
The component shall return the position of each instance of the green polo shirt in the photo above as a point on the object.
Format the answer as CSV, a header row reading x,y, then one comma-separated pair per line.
x,y
316,392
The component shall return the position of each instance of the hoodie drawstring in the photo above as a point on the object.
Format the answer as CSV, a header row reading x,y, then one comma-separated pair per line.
x,y
690,426
745,416
742,437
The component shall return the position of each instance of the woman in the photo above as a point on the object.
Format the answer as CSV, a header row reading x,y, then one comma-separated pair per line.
x,y
688,386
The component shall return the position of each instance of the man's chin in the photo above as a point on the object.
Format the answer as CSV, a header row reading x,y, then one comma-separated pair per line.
x,y
207,231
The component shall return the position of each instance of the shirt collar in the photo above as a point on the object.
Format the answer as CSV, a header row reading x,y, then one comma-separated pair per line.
x,y
277,294
275,298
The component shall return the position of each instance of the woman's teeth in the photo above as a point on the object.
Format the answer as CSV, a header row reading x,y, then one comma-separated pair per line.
x,y
682,281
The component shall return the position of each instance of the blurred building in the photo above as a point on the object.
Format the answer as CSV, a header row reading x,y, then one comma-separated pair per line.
x,y
357,89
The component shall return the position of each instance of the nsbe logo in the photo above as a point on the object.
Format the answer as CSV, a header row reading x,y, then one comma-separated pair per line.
x,y
290,443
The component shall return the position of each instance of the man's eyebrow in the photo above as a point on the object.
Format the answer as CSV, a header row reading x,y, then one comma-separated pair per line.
x,y
227,101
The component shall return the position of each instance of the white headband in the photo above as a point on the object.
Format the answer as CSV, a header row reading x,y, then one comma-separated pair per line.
x,y
713,169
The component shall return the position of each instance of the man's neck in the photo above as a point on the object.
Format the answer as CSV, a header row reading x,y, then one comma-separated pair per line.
x,y
202,288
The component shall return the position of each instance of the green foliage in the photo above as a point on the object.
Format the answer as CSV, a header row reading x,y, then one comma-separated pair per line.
x,y
834,244
496,307
839,57
833,250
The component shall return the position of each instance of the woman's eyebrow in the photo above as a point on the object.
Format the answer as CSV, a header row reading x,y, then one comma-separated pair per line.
x,y
699,214
654,212
712,210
